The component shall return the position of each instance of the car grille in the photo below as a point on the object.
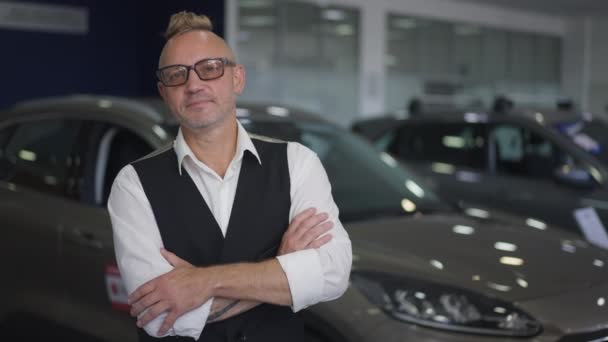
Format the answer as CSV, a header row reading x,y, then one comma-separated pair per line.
x,y
595,336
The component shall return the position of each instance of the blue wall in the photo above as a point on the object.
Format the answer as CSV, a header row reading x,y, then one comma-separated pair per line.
x,y
118,56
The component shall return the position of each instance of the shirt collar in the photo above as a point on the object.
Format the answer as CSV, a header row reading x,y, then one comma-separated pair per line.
x,y
243,143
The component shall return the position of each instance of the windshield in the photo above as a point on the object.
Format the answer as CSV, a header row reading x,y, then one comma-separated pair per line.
x,y
589,135
365,183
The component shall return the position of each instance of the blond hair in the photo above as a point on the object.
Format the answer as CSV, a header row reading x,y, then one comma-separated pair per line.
x,y
184,21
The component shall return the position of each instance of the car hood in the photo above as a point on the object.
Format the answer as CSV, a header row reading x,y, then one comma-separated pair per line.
x,y
508,261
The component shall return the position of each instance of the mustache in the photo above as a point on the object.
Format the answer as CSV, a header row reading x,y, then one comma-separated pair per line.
x,y
198,97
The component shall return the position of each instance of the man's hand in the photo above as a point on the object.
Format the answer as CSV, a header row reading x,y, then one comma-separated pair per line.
x,y
175,292
304,232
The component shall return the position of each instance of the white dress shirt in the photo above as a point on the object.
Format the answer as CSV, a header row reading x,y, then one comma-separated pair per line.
x,y
314,275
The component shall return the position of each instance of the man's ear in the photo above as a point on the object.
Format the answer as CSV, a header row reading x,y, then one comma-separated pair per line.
x,y
238,78
161,89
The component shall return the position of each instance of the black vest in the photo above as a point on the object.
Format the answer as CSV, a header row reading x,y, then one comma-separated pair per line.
x,y
259,217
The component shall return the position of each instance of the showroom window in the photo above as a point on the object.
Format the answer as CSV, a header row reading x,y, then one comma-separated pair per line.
x,y
449,63
301,54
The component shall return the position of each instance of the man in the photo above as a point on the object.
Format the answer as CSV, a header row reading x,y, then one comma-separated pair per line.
x,y
223,236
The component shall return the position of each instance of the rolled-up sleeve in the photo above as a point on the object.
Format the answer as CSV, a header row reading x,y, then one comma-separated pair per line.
x,y
137,244
322,274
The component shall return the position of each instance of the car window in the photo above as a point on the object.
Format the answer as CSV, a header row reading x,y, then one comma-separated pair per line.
x,y
110,148
523,152
385,140
452,143
365,182
591,136
40,155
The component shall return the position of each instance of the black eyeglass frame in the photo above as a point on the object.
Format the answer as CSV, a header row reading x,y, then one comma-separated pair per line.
x,y
225,63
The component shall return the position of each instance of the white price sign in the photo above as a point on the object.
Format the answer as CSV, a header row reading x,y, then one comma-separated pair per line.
x,y
592,227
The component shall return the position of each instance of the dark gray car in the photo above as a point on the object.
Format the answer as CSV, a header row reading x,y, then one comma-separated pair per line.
x,y
422,270
524,162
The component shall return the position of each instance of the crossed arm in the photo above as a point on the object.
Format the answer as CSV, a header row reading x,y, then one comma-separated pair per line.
x,y
235,288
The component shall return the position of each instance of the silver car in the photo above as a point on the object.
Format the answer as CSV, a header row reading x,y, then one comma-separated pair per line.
x,y
423,270
550,166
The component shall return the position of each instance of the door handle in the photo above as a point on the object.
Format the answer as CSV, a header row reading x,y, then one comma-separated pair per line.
x,y
85,238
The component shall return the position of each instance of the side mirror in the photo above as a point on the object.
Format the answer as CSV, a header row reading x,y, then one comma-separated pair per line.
x,y
575,176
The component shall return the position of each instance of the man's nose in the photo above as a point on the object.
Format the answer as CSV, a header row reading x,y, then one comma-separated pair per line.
x,y
194,83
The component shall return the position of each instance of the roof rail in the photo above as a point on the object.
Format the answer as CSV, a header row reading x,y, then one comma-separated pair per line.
x,y
101,101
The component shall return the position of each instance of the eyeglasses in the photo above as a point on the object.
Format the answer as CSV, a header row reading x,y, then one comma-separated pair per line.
x,y
206,69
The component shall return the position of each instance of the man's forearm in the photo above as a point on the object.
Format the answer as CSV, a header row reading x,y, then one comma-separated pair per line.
x,y
257,282
224,308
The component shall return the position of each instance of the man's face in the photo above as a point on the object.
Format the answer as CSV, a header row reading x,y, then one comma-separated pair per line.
x,y
201,104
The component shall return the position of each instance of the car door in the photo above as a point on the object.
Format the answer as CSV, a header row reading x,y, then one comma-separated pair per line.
x,y
526,163
36,184
95,292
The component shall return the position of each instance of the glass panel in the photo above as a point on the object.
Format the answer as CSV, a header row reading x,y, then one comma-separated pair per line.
x,y
467,52
403,44
455,64
455,144
123,148
403,60
521,57
348,160
436,48
591,136
547,62
257,47
338,79
526,153
41,155
302,55
494,49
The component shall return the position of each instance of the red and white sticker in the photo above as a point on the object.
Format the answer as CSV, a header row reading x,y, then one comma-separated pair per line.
x,y
117,292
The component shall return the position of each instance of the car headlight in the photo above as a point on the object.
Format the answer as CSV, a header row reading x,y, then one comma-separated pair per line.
x,y
443,307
